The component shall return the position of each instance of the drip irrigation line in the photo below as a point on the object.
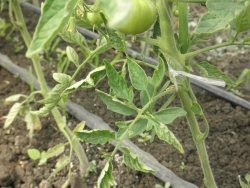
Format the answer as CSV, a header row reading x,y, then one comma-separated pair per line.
x,y
95,122
210,88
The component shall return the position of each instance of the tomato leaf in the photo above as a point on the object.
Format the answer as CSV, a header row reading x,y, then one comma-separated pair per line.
x,y
106,179
158,73
54,95
54,17
196,108
55,151
137,75
72,55
61,163
96,136
168,115
73,37
211,71
79,127
117,83
247,39
242,184
115,40
34,154
93,78
32,123
242,21
165,134
218,17
144,97
134,161
13,98
138,128
115,105
12,114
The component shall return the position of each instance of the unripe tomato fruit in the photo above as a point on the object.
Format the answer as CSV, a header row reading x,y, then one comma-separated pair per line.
x,y
94,18
143,15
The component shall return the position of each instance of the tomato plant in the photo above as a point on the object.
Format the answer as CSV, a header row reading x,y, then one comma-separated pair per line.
x,y
173,51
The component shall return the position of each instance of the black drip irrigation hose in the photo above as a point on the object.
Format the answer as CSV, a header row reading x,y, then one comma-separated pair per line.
x,y
95,122
210,88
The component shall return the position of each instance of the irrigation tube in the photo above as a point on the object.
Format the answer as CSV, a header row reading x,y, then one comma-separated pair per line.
x,y
95,122
210,88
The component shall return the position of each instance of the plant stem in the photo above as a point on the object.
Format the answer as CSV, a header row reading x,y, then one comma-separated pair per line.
x,y
197,52
167,41
183,27
168,48
44,89
197,135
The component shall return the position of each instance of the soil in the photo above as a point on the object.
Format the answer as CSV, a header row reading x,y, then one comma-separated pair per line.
x,y
227,144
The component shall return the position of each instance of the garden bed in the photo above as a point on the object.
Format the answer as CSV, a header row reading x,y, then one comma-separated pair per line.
x,y
227,143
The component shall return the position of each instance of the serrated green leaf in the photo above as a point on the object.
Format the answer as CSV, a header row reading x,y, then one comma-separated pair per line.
x,y
138,128
117,83
34,154
158,73
72,55
115,105
61,163
14,98
137,75
72,37
96,136
106,179
12,114
146,95
196,108
165,134
134,162
54,95
242,21
211,71
120,133
115,40
168,115
218,17
55,151
54,17
93,78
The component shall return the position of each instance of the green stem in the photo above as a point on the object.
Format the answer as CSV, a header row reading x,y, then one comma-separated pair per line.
x,y
90,56
183,27
167,41
44,89
197,52
197,135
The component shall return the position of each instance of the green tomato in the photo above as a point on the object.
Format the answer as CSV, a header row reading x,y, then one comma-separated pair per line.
x,y
143,15
175,11
94,18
